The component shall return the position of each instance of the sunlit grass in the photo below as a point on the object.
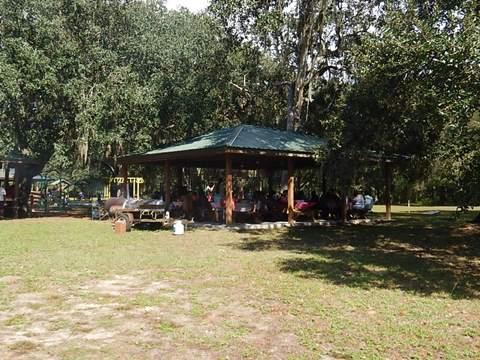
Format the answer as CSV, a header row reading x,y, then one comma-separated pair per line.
x,y
415,208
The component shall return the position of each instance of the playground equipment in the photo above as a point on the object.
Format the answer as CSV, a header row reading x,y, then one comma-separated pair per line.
x,y
136,182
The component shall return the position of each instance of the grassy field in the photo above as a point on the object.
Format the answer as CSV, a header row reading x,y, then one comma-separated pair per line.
x,y
415,209
72,289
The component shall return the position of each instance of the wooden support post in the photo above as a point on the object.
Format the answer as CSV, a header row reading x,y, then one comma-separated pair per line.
x,y
388,190
61,193
167,182
270,181
324,178
125,188
7,175
7,180
179,177
16,193
228,190
291,192
344,209
45,194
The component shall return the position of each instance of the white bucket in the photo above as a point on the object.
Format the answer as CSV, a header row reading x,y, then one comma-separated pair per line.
x,y
178,228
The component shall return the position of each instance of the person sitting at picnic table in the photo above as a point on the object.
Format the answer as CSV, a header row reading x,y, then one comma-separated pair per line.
x,y
306,208
190,205
3,195
240,194
218,203
358,202
260,202
176,207
300,195
201,206
220,187
360,207
284,197
242,208
369,202
273,207
209,191
217,199
283,202
330,205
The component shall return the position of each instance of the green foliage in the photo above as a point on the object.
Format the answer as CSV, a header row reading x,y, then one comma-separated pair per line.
x,y
34,55
95,80
303,39
414,90
85,81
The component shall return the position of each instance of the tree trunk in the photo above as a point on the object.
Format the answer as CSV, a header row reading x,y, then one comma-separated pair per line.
x,y
309,31
291,109
388,190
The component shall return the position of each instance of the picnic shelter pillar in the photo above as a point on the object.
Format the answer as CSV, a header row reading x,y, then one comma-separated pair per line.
x,y
125,190
16,192
291,191
388,190
228,190
167,182
7,174
269,174
324,177
179,177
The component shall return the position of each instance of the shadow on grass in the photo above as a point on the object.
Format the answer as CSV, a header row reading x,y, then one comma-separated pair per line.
x,y
415,254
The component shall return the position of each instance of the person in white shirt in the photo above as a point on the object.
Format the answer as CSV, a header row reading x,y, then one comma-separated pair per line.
x,y
3,194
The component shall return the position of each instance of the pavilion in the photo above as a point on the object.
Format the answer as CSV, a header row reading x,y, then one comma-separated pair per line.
x,y
13,172
240,147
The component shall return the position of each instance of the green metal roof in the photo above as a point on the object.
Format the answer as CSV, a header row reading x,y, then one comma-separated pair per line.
x,y
248,137
16,157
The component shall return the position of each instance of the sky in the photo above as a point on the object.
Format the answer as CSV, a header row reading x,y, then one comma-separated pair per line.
x,y
193,5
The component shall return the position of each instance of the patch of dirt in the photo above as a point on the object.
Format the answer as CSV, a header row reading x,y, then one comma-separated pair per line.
x,y
119,285
264,331
156,286
184,325
101,334
29,298
10,279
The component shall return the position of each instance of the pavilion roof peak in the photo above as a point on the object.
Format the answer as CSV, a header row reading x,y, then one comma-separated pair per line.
x,y
248,137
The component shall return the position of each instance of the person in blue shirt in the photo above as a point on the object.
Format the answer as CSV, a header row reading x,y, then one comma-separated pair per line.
x,y
368,202
358,202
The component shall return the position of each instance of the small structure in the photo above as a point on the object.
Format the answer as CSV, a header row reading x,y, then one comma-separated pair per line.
x,y
137,183
14,174
241,147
